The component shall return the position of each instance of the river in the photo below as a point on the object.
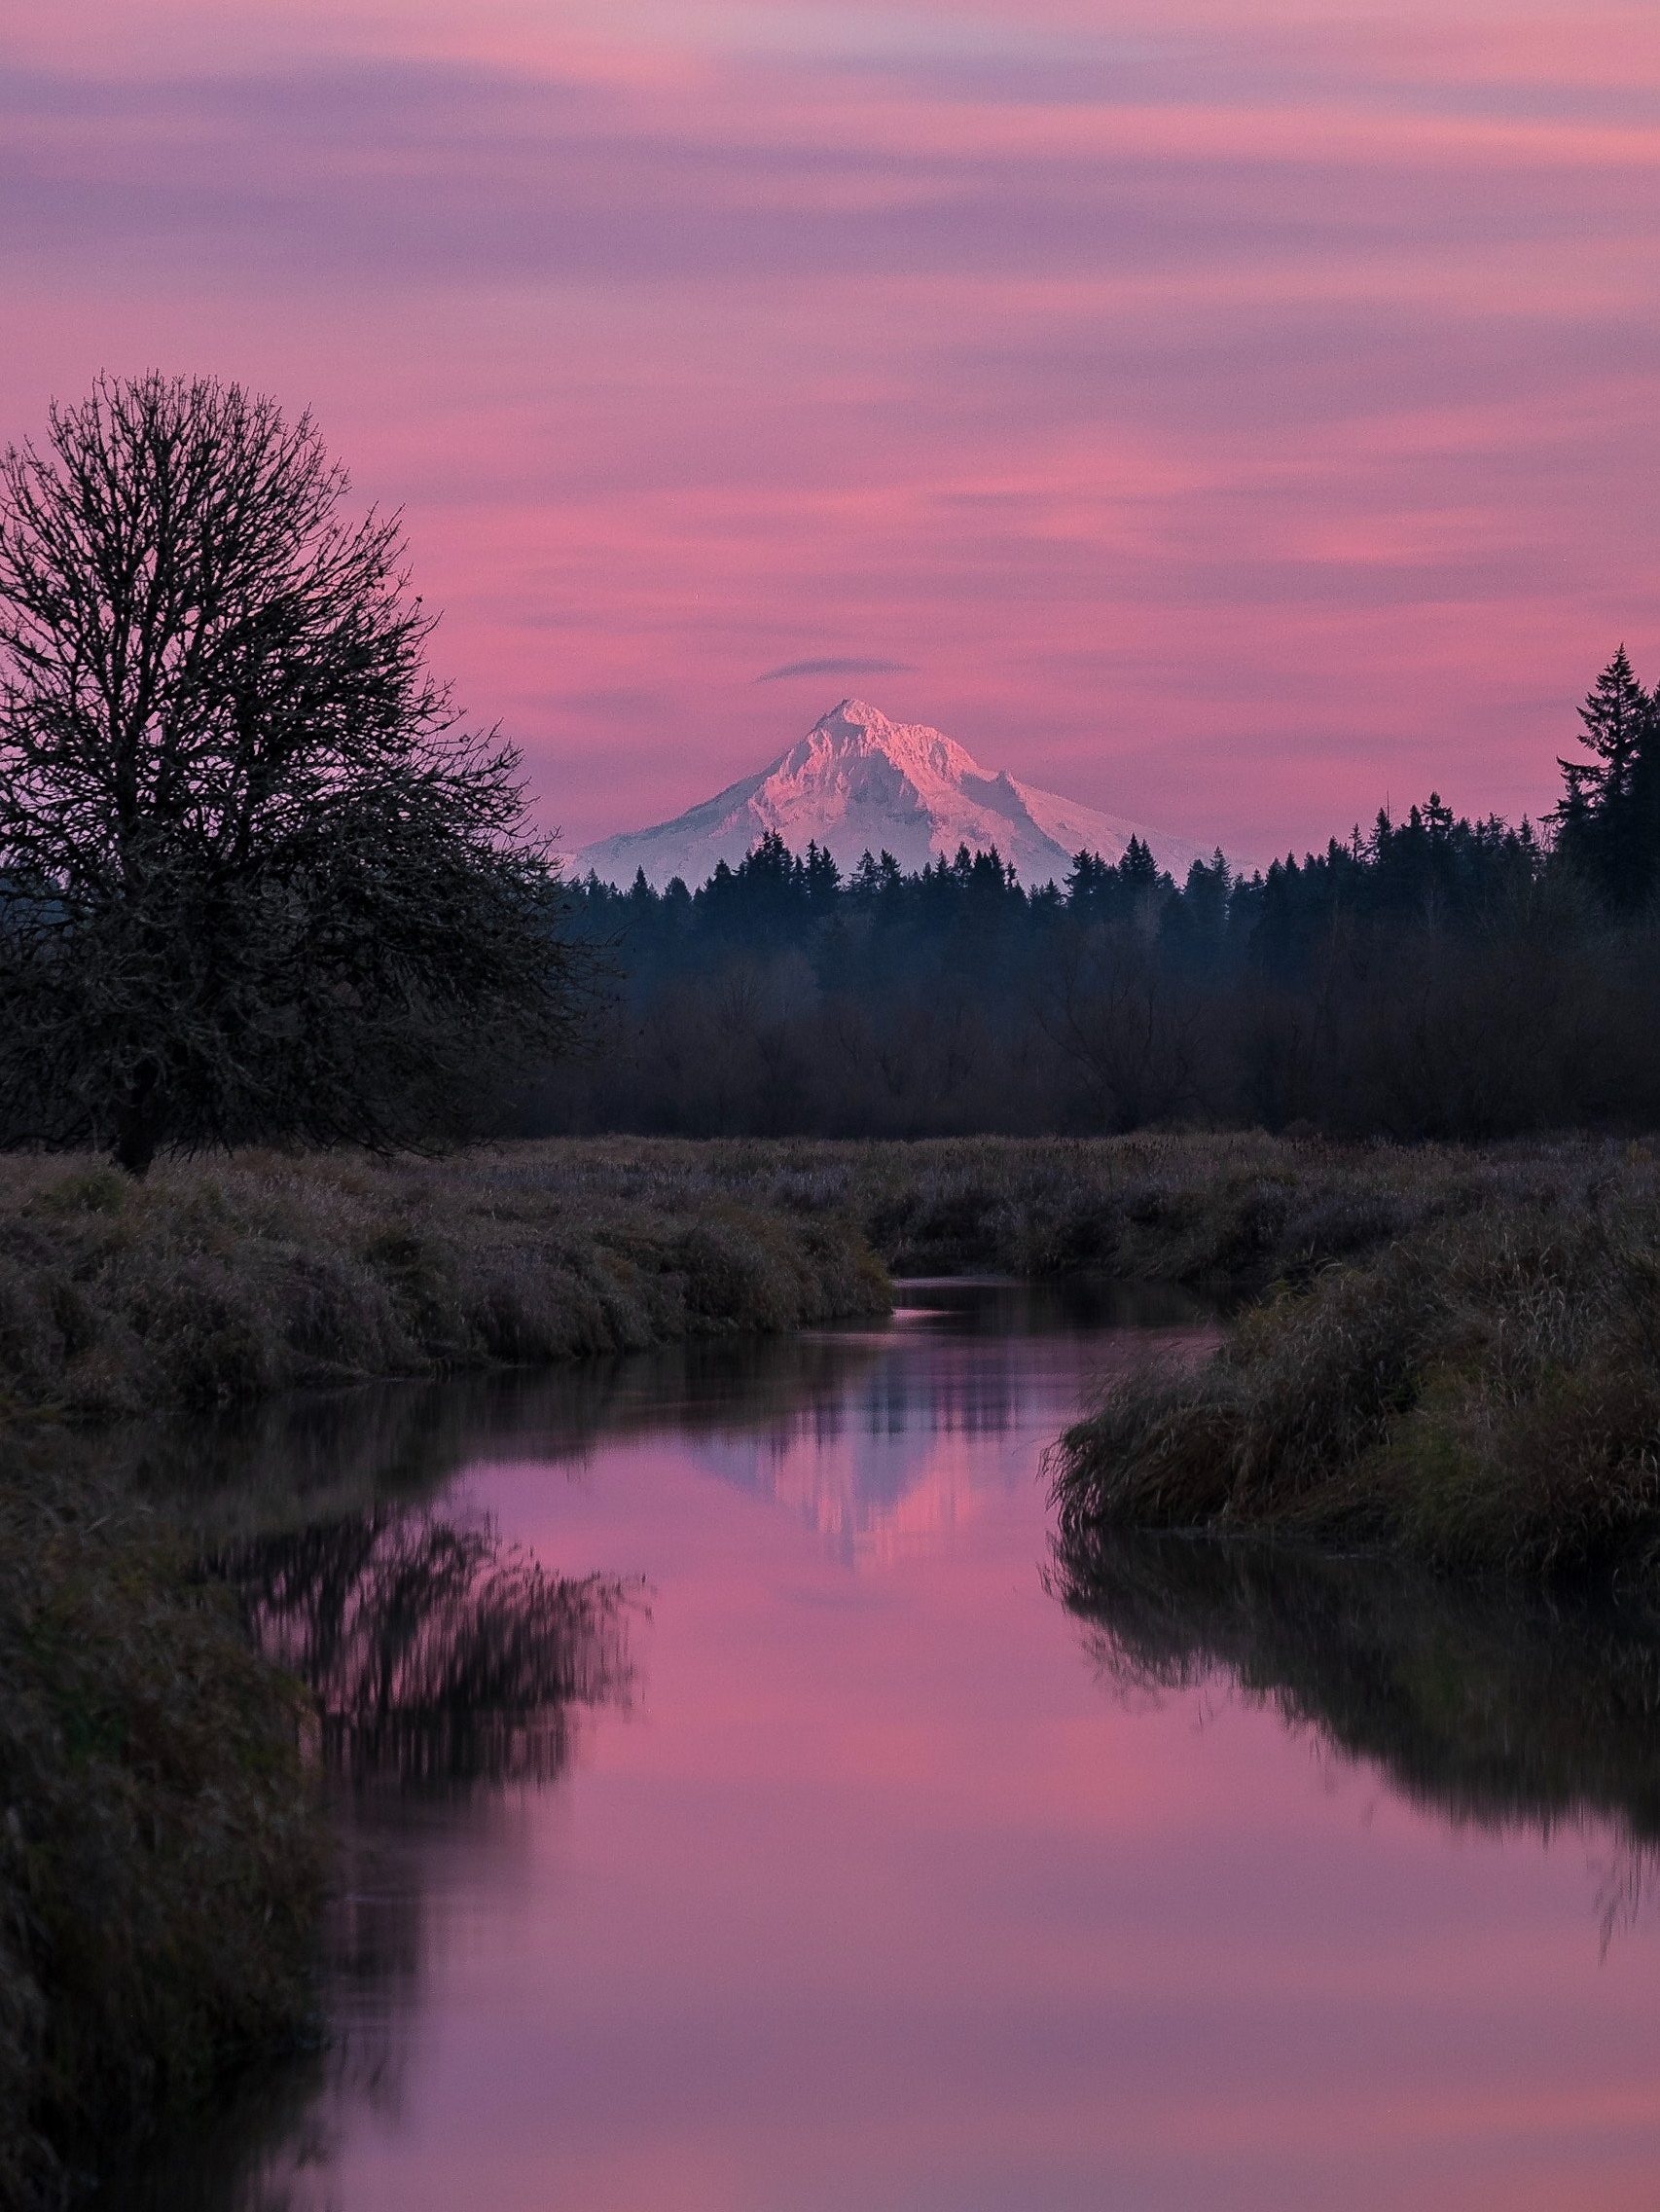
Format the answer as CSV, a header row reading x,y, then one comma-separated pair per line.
x,y
743,1810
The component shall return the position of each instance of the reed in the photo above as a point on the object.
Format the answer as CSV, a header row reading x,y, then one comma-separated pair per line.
x,y
1482,1392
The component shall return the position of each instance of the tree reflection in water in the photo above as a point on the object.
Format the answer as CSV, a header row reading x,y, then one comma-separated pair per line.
x,y
1498,1706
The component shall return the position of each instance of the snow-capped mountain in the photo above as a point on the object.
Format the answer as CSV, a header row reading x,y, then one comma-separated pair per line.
x,y
859,783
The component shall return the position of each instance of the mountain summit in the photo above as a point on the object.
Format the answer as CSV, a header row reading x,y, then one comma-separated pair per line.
x,y
859,783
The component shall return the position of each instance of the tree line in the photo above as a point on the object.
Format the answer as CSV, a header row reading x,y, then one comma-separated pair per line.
x,y
1437,975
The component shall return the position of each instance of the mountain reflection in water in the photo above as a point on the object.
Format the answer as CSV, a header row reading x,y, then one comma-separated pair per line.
x,y
730,1822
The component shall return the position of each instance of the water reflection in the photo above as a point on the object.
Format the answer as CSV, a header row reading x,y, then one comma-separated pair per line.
x,y
910,1422
1494,1707
447,1672
837,1882
437,1657
843,1425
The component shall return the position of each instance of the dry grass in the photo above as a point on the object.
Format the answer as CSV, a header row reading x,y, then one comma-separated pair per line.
x,y
222,1282
1238,1209
1483,1391
219,1282
161,1857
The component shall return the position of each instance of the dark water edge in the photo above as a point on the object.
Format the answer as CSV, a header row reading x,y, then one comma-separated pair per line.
x,y
1488,1703
453,1671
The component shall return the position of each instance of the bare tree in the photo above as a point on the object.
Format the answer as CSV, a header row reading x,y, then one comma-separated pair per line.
x,y
257,880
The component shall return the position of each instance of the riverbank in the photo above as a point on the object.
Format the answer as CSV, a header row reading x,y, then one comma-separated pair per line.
x,y
225,1281
1482,1392
162,1859
222,1282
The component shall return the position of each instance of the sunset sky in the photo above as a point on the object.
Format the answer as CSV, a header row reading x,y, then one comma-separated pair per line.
x,y
1228,413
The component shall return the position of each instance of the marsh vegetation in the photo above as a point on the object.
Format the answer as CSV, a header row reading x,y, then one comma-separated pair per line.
x,y
222,1282
1480,1391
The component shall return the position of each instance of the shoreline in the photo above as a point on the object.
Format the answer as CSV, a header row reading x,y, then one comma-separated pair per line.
x,y
163,1848
1480,1395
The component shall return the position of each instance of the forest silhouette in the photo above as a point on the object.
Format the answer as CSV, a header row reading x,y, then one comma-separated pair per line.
x,y
1437,977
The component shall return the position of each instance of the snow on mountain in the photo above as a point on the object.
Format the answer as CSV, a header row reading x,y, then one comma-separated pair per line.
x,y
859,783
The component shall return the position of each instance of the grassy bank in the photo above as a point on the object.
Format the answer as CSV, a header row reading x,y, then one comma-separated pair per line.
x,y
161,1861
1240,1211
1482,1392
225,1280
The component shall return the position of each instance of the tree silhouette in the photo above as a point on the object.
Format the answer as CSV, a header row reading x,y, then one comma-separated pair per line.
x,y
255,877
1610,814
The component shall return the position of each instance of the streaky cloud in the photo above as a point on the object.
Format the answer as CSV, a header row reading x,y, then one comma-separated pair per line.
x,y
837,668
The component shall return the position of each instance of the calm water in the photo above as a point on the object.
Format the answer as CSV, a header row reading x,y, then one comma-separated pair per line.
x,y
746,1812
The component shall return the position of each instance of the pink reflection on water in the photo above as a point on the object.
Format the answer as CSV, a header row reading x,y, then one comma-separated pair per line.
x,y
880,1896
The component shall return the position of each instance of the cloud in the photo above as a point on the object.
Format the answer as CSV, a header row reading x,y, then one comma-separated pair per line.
x,y
837,668
380,172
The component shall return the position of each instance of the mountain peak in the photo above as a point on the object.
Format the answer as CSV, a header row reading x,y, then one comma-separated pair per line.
x,y
859,783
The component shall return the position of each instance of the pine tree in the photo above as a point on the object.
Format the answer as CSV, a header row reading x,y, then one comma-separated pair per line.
x,y
1609,816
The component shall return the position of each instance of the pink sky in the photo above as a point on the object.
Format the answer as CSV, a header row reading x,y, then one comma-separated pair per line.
x,y
1226,413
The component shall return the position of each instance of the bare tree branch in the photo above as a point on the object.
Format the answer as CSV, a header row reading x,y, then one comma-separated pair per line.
x,y
257,879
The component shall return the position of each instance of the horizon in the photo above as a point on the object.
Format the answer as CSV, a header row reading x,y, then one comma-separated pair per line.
x,y
1231,418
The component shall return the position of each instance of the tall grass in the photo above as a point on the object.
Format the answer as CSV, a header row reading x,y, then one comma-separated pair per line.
x,y
218,1282
1198,1208
161,1859
223,1281
1483,1391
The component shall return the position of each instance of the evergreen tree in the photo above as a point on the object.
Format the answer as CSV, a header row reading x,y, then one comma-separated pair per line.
x,y
1609,815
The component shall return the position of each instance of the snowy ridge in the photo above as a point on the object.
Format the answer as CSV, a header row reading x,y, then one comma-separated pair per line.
x,y
858,782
